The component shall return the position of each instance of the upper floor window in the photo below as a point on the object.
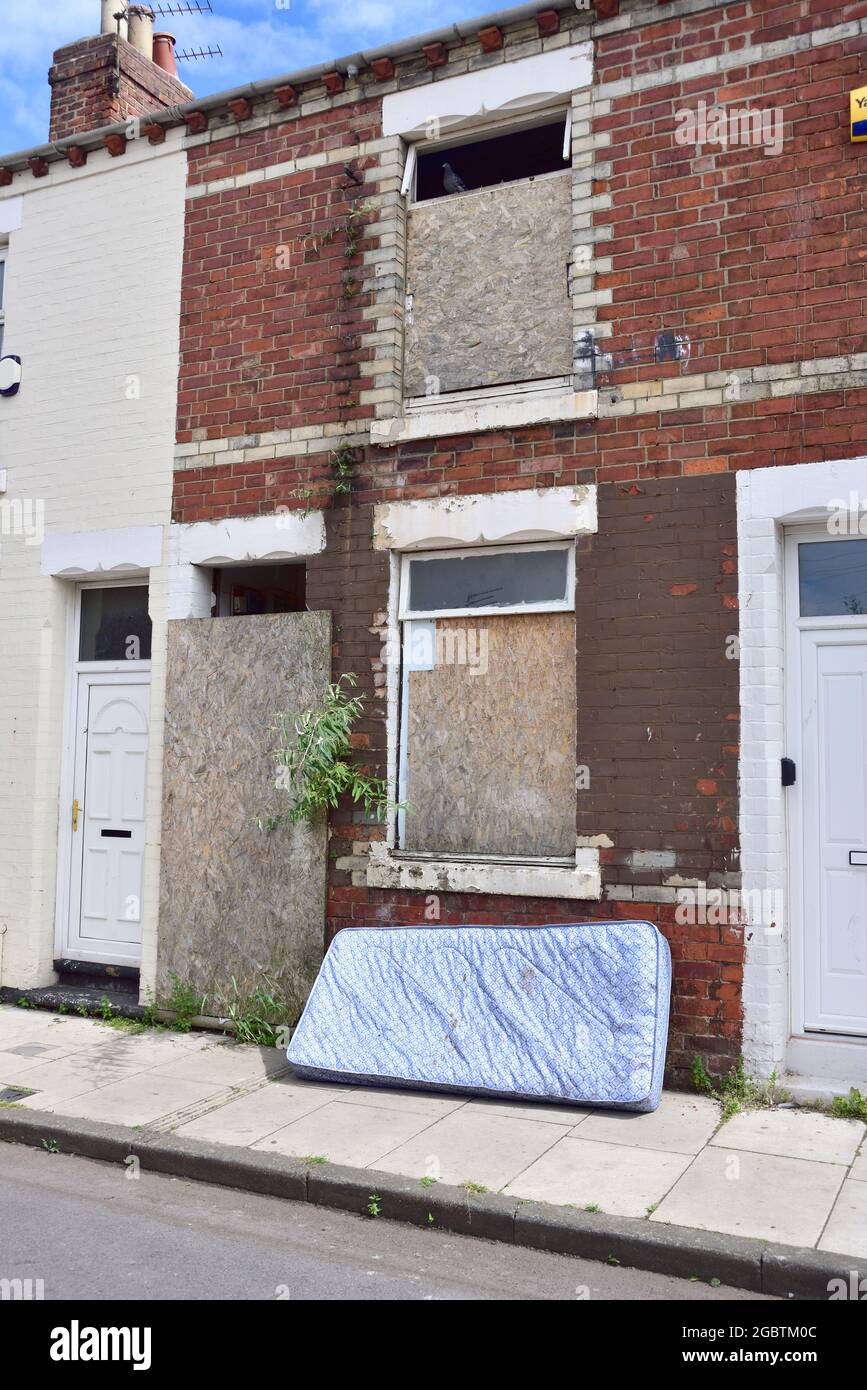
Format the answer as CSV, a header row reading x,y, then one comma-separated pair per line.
x,y
484,162
488,259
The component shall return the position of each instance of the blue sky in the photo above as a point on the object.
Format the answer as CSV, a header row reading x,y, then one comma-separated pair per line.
x,y
259,38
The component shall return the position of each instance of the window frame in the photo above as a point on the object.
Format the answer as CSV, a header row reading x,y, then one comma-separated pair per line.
x,y
564,605
405,621
80,667
474,133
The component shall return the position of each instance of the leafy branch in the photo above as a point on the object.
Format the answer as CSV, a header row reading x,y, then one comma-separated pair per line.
x,y
314,757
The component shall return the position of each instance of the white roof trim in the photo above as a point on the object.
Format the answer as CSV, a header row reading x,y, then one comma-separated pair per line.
x,y
508,87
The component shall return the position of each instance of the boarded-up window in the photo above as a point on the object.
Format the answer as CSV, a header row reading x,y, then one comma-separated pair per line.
x,y
489,718
488,287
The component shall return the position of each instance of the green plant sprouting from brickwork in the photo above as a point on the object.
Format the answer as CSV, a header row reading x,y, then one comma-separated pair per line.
x,y
315,760
343,461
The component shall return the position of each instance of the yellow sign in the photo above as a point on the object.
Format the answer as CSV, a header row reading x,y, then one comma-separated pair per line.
x,y
858,114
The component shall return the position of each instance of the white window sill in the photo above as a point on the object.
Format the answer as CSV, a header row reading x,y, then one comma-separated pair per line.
x,y
554,878
480,413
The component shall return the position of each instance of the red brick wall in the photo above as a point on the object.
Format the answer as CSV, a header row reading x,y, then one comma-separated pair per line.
x,y
271,317
85,93
758,259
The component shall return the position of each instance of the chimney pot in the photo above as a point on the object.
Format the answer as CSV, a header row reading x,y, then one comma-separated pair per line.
x,y
108,23
164,53
141,30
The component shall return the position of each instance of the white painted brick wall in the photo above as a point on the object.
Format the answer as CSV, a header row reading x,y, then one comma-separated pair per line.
x,y
767,500
93,296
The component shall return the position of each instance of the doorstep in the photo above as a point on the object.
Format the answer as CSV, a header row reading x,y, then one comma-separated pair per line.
x,y
767,1180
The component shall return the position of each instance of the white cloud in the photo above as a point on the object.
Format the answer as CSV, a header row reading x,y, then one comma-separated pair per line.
x,y
259,39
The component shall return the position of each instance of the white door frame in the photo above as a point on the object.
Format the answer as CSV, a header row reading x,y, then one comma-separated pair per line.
x,y
769,501
795,626
121,672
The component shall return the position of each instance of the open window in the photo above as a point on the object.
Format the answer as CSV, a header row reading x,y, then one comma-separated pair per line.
x,y
241,591
486,161
488,721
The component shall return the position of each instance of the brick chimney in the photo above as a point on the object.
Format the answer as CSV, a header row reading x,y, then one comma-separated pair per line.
x,y
103,80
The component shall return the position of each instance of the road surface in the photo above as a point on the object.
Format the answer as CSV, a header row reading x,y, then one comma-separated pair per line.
x,y
91,1232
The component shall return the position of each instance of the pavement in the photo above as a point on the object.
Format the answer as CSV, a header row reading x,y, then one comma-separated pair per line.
x,y
88,1231
792,1177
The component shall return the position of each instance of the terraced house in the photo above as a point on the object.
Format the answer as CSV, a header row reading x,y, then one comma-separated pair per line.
x,y
519,370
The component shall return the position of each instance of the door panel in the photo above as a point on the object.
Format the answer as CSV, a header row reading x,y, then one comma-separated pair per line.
x,y
834,674
105,908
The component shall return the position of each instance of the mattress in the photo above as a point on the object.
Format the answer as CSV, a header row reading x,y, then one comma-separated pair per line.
x,y
575,1014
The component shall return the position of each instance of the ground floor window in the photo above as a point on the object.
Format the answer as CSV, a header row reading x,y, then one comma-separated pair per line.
x,y
488,702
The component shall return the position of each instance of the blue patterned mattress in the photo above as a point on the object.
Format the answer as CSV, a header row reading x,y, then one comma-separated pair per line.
x,y
573,1013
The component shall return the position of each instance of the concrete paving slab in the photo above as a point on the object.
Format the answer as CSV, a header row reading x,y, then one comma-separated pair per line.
x,y
136,1100
793,1134
473,1146
226,1064
750,1194
622,1180
562,1115
846,1231
859,1167
355,1134
61,1079
139,1052
415,1102
32,1025
254,1117
681,1124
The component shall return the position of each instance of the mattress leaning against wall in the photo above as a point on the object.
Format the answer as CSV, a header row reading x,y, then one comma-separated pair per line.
x,y
575,1013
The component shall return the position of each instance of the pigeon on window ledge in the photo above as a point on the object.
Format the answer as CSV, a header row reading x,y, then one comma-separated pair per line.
x,y
452,183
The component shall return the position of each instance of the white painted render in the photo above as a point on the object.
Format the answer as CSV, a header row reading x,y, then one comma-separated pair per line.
x,y
388,869
101,554
522,85
195,548
92,308
498,411
537,514
770,501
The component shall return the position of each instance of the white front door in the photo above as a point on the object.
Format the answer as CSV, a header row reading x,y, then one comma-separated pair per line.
x,y
833,786
108,818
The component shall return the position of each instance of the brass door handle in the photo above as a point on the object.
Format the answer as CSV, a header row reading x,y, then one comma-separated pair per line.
x,y
75,809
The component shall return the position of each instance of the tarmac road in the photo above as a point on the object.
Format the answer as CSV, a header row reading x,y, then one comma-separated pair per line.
x,y
90,1231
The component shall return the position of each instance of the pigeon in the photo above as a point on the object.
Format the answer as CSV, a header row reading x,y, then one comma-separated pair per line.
x,y
451,181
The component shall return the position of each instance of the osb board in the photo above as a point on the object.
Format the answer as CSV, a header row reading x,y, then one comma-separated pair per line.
x,y
235,901
491,757
488,276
